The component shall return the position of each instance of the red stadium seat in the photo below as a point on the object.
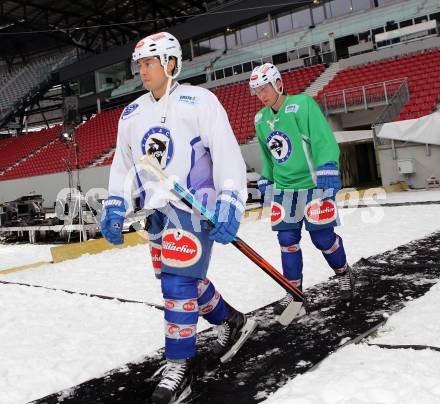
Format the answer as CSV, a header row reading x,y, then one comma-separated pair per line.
x,y
417,68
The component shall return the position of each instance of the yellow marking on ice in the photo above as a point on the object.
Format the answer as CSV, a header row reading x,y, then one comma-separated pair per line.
x,y
256,214
24,267
360,193
75,250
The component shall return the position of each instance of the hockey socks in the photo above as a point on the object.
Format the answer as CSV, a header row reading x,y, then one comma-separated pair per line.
x,y
331,246
291,254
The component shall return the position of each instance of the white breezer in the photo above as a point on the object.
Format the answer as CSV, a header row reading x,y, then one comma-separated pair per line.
x,y
264,74
162,45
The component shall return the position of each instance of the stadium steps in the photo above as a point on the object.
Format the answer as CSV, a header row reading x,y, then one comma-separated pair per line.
x,y
103,159
323,79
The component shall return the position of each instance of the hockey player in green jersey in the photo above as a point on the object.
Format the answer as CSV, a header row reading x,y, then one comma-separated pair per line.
x,y
300,159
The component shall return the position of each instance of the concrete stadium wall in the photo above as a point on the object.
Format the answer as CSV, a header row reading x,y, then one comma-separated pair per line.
x,y
97,177
50,185
251,154
425,165
362,117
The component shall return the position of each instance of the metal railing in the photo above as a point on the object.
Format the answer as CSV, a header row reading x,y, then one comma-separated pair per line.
x,y
391,111
362,96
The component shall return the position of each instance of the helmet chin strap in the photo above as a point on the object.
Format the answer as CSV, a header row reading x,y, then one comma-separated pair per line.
x,y
279,92
279,95
167,93
165,103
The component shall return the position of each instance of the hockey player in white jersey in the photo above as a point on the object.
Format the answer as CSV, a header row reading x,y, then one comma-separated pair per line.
x,y
187,131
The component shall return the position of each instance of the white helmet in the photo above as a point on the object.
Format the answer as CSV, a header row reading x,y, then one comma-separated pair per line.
x,y
163,45
267,73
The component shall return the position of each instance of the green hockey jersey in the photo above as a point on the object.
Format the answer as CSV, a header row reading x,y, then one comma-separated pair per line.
x,y
294,142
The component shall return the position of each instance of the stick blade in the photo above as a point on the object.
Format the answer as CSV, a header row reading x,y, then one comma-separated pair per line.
x,y
293,310
150,164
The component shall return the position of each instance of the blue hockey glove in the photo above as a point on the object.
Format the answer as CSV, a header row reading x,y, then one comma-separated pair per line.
x,y
264,185
112,219
228,211
328,179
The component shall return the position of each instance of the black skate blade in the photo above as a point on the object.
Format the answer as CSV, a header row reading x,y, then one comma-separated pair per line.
x,y
293,310
246,331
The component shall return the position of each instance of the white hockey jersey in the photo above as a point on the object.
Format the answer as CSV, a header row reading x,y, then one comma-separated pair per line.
x,y
196,144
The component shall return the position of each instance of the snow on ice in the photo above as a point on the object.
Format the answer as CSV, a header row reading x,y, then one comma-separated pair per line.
x,y
51,340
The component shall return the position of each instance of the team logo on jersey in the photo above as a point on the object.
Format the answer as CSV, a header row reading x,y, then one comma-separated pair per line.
x,y
291,108
321,212
157,142
180,248
280,146
128,110
277,213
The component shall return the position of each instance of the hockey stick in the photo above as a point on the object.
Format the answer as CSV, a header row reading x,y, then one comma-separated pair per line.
x,y
187,198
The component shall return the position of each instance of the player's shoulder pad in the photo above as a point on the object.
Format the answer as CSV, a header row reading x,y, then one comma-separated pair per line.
x,y
133,109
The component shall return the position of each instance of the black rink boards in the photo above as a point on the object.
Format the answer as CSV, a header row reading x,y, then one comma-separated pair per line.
x,y
274,354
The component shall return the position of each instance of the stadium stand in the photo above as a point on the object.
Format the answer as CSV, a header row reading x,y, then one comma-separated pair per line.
x,y
127,87
95,138
299,38
15,149
5,142
21,82
223,71
420,69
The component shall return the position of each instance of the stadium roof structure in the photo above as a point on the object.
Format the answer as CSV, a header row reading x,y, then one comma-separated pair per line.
x,y
30,27
103,33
